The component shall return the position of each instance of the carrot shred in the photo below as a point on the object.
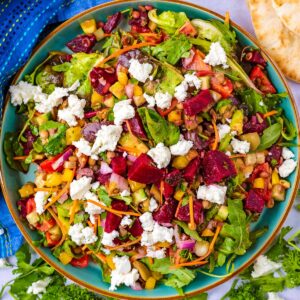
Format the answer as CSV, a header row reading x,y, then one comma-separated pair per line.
x,y
177,256
125,245
238,155
98,221
116,212
101,256
178,207
227,18
73,211
192,224
124,50
84,247
161,189
56,197
270,113
44,189
216,141
20,157
90,224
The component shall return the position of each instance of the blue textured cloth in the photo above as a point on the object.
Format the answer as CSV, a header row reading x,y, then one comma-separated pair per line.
x,y
22,25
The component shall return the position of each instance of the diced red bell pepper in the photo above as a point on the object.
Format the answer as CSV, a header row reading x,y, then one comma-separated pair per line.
x,y
254,202
46,225
164,112
112,221
136,229
166,212
191,170
195,61
261,80
188,29
30,206
50,241
46,165
119,165
201,102
81,262
144,171
224,88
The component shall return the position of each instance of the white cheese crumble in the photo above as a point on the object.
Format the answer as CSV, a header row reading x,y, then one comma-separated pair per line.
x,y
287,153
238,146
150,100
163,100
78,188
274,296
161,155
139,71
151,252
85,148
40,198
4,263
182,147
95,185
192,80
39,286
123,273
125,193
181,89
264,266
223,129
216,56
152,205
147,221
82,235
107,138
123,111
91,208
287,168
108,238
159,234
126,221
213,193
73,111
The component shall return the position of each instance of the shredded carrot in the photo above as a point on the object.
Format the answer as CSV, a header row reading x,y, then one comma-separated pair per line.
x,y
161,188
238,155
95,228
89,252
98,221
101,256
227,18
177,256
124,50
195,262
20,157
216,141
44,189
129,128
56,197
73,211
116,212
270,113
84,247
90,224
125,245
178,207
192,224
150,259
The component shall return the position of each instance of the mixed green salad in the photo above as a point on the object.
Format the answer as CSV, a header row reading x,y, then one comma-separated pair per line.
x,y
155,148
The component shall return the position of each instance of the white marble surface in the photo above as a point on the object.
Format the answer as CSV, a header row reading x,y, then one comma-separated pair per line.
x,y
239,13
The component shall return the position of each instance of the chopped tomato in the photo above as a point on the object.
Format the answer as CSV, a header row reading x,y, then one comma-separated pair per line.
x,y
261,80
264,193
46,225
259,169
50,240
188,29
46,165
164,112
224,88
195,61
30,206
80,262
205,73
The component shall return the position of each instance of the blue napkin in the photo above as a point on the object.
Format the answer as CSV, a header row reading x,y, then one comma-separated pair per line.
x,y
23,23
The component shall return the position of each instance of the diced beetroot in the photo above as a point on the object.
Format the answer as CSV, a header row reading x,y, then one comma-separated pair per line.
x,y
191,170
217,166
254,126
112,221
264,193
119,165
166,212
22,207
82,43
184,212
102,79
201,102
254,202
168,190
173,178
136,127
112,22
144,171
274,155
30,139
195,61
255,57
136,229
103,178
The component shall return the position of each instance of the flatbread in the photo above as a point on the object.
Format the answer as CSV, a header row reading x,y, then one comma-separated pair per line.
x,y
281,43
289,13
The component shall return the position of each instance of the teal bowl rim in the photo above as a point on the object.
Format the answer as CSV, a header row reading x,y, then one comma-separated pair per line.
x,y
254,256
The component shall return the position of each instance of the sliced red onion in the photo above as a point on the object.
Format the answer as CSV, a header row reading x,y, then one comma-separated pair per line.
x,y
105,168
136,286
166,224
121,182
188,244
60,161
91,114
131,158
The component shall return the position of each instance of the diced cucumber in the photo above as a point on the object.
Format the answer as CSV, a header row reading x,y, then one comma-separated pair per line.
x,y
139,196
205,82
222,213
33,218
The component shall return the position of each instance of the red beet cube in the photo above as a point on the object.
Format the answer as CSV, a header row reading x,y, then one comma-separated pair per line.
x,y
136,127
112,222
191,170
173,178
136,229
184,212
168,190
102,79
119,165
254,202
166,212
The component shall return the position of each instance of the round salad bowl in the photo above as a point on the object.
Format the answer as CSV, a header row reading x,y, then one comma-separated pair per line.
x,y
91,277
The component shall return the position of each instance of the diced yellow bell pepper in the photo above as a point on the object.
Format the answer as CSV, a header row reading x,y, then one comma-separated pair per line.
x,y
110,262
65,258
178,195
26,190
275,177
73,134
89,26
139,100
53,179
137,90
207,232
259,183
134,186
175,116
150,283
117,89
154,191
236,123
96,99
67,175
122,78
180,162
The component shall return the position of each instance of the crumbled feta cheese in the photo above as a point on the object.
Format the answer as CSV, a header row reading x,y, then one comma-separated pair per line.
x,y
228,153
216,56
238,146
223,129
163,100
152,205
126,221
147,221
287,168
264,266
151,252
274,296
1,231
123,111
82,235
78,188
161,155
150,100
95,185
123,273
125,193
233,133
40,198
91,208
85,148
159,234
74,109
181,89
182,147
139,71
261,103
107,138
212,193
192,80
287,153
39,287
108,238
4,263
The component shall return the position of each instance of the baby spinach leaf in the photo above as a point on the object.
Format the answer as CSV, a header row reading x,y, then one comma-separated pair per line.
x,y
192,233
253,100
270,136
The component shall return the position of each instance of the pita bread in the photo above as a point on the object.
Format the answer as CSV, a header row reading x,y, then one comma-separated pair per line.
x,y
289,13
281,43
